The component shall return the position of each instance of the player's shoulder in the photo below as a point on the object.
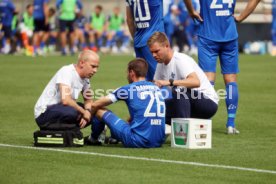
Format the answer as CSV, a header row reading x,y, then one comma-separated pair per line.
x,y
67,68
177,57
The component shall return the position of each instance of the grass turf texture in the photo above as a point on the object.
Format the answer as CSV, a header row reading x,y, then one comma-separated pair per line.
x,y
23,79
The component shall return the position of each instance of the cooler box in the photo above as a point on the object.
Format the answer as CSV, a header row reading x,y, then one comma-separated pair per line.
x,y
191,133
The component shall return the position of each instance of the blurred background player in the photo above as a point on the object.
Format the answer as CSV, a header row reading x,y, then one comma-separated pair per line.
x,y
26,29
7,10
117,31
67,10
174,25
53,30
41,25
81,31
273,28
143,19
218,37
191,29
97,28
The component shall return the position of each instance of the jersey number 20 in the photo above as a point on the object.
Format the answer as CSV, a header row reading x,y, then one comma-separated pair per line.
x,y
141,13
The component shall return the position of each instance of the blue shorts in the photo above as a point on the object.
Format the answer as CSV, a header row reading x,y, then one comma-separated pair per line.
x,y
121,131
7,31
66,24
39,25
228,53
144,52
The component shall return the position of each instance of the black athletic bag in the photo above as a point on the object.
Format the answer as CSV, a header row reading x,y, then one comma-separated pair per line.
x,y
66,138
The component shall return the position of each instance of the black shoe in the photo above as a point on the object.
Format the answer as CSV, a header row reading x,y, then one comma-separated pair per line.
x,y
110,140
92,142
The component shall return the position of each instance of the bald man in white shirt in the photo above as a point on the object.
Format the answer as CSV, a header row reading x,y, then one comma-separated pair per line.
x,y
57,107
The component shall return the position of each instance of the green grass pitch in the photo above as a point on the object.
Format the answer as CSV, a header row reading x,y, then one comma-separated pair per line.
x,y
22,80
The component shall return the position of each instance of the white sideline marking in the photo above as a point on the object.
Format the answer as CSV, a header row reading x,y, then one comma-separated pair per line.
x,y
142,158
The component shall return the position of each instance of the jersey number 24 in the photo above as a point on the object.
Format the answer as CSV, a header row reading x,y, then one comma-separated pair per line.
x,y
216,5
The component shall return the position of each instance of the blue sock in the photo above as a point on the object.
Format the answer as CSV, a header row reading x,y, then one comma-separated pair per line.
x,y
97,127
100,42
3,42
83,45
125,40
42,45
232,98
91,45
63,51
108,43
52,40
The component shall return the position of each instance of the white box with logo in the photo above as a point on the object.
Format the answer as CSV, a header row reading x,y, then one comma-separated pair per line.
x,y
191,133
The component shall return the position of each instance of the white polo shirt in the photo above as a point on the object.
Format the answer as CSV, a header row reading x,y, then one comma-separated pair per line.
x,y
182,65
67,75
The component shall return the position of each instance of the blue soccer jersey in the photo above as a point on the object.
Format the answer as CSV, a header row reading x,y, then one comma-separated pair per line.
x,y
6,12
148,18
39,9
218,21
274,14
147,110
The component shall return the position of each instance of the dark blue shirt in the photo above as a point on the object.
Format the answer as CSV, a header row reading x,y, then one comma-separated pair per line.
x,y
39,9
7,9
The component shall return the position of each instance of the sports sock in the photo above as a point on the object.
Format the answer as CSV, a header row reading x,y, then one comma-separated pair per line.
x,y
125,41
91,45
232,98
97,128
108,43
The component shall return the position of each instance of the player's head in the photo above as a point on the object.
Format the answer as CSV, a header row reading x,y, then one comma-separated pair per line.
x,y
136,69
52,12
160,47
88,63
98,9
116,10
30,9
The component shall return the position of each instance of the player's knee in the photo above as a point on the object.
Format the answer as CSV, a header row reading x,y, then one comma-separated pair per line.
x,y
100,113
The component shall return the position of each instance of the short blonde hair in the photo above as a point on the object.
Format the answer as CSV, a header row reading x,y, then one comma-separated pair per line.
x,y
88,54
158,37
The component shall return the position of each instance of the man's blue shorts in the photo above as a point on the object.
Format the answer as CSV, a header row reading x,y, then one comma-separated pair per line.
x,y
144,52
66,24
121,131
7,31
228,53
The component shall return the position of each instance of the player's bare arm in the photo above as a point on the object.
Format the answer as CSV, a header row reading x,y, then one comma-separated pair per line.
x,y
193,13
98,104
251,5
130,21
